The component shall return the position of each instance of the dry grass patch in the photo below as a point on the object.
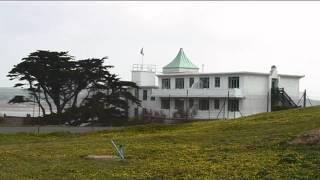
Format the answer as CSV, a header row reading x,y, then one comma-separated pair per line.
x,y
309,138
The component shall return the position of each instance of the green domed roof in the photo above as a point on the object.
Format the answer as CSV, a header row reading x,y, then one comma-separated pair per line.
x,y
181,61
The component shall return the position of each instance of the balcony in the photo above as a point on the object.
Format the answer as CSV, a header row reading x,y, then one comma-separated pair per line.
x,y
219,93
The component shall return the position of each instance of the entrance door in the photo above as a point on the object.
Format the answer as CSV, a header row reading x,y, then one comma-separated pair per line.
x,y
274,83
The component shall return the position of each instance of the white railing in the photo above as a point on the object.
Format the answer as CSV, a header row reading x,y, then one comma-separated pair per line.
x,y
144,67
237,93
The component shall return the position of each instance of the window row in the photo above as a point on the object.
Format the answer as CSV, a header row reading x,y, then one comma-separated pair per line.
x,y
204,82
204,104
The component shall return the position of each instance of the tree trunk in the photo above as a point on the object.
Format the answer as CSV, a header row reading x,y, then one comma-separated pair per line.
x,y
47,99
38,99
75,100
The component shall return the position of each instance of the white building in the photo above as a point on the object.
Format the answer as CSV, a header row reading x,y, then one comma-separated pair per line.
x,y
184,92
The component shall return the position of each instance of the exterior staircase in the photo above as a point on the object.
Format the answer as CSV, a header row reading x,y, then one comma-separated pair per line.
x,y
280,100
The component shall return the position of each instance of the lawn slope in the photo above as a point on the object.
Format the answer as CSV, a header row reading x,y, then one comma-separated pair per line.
x,y
252,148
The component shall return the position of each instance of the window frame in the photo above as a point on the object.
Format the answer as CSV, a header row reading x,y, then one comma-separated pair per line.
x,y
217,82
145,95
233,105
234,82
176,104
179,83
191,79
201,105
165,83
202,84
165,103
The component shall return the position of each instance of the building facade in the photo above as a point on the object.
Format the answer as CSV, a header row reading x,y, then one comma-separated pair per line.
x,y
184,92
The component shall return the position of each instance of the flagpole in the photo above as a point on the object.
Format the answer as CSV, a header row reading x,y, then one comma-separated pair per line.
x,y
142,62
142,54
142,58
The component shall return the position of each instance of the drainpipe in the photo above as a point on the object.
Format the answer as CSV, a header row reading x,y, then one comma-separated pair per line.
x,y
228,105
268,101
209,107
187,106
169,105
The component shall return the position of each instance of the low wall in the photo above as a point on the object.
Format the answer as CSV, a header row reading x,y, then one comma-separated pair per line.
x,y
52,129
11,121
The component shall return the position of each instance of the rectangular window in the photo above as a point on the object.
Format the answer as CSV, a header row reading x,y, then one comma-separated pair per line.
x,y
179,83
204,82
153,98
217,82
191,81
165,83
179,104
233,105
216,104
234,82
145,94
203,104
165,103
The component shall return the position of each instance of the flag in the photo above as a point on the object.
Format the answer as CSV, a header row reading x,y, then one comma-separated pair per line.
x,y
141,52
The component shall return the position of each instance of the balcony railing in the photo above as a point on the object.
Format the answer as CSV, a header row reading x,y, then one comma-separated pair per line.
x,y
236,93
144,67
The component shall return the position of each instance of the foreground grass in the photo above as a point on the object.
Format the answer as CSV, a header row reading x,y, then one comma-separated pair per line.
x,y
247,148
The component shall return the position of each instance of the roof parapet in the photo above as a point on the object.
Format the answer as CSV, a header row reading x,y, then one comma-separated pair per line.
x,y
144,67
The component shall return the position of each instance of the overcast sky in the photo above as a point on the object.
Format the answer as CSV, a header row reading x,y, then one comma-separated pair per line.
x,y
224,36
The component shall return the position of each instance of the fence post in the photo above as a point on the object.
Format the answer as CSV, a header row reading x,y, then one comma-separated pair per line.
x,y
304,98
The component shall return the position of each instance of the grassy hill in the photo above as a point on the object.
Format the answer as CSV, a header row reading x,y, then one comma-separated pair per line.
x,y
250,148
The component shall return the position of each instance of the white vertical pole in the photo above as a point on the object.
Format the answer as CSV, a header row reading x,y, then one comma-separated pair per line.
x,y
142,54
209,107
228,106
142,59
169,106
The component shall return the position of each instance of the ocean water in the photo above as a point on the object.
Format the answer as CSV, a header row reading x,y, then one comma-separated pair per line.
x,y
20,110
